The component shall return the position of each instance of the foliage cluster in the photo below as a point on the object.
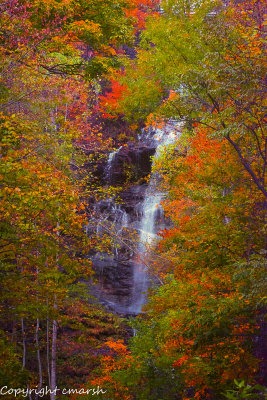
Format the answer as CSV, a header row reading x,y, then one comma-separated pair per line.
x,y
50,54
201,64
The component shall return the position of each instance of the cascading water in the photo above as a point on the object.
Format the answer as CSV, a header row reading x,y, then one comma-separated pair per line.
x,y
152,221
123,275
108,169
152,214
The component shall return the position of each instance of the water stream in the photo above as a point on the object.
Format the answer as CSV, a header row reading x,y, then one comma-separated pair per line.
x,y
124,277
151,222
108,169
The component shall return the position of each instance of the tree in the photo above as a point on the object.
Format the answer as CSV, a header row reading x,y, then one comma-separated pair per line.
x,y
46,123
212,58
203,65
195,336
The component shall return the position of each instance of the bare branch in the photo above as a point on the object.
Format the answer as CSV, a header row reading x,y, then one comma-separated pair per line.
x,y
246,165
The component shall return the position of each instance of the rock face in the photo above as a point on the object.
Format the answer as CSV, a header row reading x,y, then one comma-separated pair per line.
x,y
132,200
115,283
115,271
132,222
130,164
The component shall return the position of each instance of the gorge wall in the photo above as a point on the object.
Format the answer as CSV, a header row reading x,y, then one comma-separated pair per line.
x,y
133,219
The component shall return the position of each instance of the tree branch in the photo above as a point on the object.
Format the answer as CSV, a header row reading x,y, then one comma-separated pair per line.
x,y
246,165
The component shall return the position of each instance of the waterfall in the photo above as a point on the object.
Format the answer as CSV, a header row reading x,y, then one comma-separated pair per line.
x,y
151,218
133,220
151,222
108,169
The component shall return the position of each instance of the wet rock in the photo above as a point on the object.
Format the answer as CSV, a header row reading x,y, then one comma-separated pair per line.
x,y
130,164
133,197
114,284
133,220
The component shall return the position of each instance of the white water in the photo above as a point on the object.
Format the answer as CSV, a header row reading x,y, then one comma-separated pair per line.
x,y
152,220
147,218
108,169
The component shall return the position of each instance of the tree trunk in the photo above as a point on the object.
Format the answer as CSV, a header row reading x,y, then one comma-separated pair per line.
x,y
47,352
23,344
30,396
53,359
54,346
38,357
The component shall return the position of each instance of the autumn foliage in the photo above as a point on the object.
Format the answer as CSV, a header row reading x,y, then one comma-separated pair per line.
x,y
197,333
49,52
67,66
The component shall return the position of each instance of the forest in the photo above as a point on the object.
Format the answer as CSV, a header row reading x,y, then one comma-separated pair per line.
x,y
133,199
